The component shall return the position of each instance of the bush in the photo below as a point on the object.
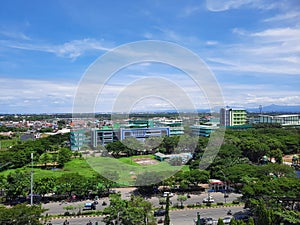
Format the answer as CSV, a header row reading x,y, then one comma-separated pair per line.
x,y
220,203
198,204
236,202
190,206
208,204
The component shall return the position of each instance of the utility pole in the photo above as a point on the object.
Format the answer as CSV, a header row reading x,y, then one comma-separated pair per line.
x,y
31,181
225,186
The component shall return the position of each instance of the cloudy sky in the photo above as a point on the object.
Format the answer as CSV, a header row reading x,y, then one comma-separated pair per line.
x,y
252,47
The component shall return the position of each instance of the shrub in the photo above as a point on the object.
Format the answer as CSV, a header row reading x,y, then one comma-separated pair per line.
x,y
236,202
220,203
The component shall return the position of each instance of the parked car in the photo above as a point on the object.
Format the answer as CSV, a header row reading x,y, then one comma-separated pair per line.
x,y
226,220
89,206
202,221
210,221
159,212
208,199
165,194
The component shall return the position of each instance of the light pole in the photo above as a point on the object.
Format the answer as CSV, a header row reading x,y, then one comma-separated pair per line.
x,y
225,196
198,218
31,181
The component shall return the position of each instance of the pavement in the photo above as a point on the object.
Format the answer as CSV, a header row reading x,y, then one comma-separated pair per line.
x,y
57,208
178,217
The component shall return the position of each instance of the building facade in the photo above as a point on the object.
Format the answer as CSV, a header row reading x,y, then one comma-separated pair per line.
x,y
143,133
283,120
203,130
104,136
79,138
233,117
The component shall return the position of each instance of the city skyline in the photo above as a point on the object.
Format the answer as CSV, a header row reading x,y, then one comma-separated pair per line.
x,y
252,48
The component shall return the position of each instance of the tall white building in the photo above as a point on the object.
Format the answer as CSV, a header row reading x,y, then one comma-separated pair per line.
x,y
233,116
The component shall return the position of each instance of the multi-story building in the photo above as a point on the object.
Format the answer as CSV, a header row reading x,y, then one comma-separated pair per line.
x,y
143,133
233,117
79,138
139,129
104,135
175,125
283,120
203,130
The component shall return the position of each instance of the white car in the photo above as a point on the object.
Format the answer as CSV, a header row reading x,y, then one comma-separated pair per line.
x,y
208,199
168,193
226,220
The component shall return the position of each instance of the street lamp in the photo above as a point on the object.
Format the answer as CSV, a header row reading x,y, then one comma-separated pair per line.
x,y
225,196
198,218
31,181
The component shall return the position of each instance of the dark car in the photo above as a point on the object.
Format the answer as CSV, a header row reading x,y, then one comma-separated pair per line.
x,y
89,206
159,212
243,217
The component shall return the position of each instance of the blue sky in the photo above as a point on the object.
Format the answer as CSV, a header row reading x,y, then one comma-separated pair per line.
x,y
251,46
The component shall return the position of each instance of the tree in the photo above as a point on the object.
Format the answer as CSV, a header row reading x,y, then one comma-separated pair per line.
x,y
169,144
175,161
44,185
45,158
109,179
73,183
17,184
264,216
148,180
152,143
181,199
133,146
277,155
64,155
220,222
135,211
233,222
167,216
197,176
251,221
21,214
116,148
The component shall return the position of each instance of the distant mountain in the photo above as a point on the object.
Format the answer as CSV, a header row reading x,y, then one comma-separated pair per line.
x,y
276,108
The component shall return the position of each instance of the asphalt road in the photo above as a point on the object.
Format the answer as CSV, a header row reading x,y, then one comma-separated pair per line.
x,y
180,217
57,208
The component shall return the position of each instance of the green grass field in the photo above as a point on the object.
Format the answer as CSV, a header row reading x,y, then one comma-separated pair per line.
x,y
6,143
126,168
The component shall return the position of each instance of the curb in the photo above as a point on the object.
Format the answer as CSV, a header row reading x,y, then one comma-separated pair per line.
x,y
75,217
208,207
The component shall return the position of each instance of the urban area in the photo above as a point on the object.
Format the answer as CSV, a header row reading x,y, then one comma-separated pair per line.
x,y
58,169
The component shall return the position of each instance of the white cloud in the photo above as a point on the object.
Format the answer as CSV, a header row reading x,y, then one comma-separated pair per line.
x,y
254,95
72,49
14,35
212,42
221,5
35,96
270,51
284,17
190,10
279,34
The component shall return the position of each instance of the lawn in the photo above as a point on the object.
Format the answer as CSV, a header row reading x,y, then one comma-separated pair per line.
x,y
127,169
6,143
